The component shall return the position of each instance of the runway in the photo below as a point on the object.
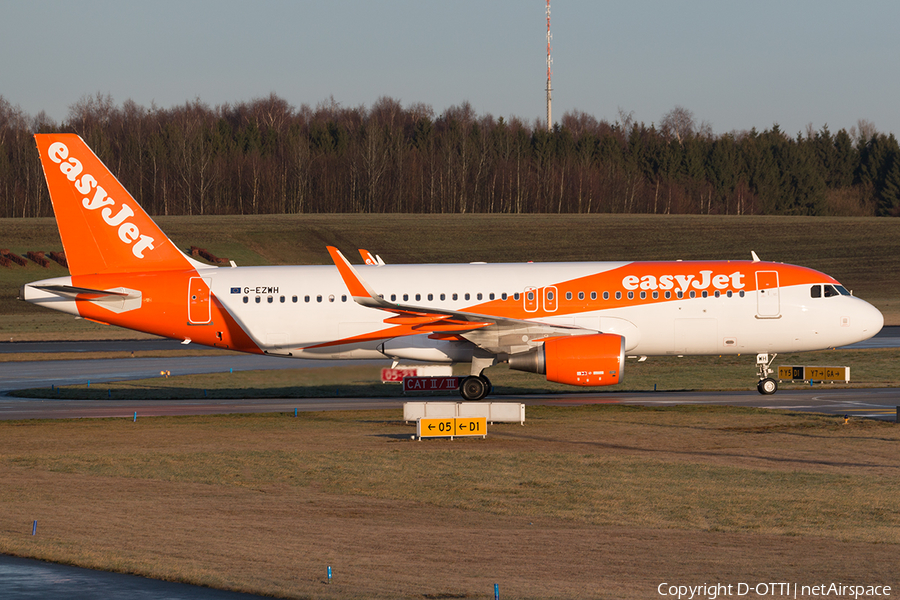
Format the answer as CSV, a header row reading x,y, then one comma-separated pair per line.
x,y
869,403
874,403
46,373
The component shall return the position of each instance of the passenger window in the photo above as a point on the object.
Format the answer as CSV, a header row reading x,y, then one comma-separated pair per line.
x,y
430,297
530,296
618,295
318,298
643,295
306,298
393,297
468,295
815,291
729,293
344,298
443,297
503,296
405,297
455,296
331,298
568,295
418,297
281,299
593,295
258,299
246,299
655,295
478,296
606,295
294,299
491,296
668,295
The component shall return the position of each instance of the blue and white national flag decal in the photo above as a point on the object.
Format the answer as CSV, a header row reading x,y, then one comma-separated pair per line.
x,y
236,290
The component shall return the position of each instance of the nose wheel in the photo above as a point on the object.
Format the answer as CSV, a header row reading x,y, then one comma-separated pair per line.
x,y
767,386
475,387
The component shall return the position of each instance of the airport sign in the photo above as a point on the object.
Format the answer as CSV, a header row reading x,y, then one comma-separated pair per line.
x,y
451,427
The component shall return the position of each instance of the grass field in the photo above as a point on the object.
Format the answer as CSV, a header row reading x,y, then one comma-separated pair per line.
x,y
587,502
862,253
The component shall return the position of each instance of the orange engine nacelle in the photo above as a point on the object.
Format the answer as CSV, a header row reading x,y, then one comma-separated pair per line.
x,y
578,360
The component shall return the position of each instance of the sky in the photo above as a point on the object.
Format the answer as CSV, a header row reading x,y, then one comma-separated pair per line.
x,y
735,65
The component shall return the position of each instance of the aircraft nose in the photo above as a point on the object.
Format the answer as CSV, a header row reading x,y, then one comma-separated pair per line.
x,y
869,319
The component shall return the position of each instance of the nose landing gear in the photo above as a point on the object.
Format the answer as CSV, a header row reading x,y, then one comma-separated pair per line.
x,y
766,384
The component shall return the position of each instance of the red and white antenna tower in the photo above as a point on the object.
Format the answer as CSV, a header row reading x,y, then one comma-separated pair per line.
x,y
549,64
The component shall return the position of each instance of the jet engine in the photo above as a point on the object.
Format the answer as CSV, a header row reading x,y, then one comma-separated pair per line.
x,y
584,360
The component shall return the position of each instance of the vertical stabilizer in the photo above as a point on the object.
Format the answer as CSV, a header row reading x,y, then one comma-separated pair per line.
x,y
103,229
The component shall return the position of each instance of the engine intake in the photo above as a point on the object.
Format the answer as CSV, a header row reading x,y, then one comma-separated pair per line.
x,y
586,360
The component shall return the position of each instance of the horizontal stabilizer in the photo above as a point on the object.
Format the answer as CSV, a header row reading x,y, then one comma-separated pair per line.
x,y
70,291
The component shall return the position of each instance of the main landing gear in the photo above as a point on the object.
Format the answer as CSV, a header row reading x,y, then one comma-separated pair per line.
x,y
766,385
475,387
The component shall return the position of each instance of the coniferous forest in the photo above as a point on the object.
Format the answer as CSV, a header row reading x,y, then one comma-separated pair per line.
x,y
266,156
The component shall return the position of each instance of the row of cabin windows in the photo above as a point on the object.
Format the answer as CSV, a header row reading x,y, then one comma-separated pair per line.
x,y
294,299
643,295
530,295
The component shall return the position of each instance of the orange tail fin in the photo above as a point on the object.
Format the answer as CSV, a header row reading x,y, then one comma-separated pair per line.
x,y
103,229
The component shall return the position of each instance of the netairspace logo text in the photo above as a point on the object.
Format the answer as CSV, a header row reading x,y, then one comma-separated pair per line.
x,y
772,590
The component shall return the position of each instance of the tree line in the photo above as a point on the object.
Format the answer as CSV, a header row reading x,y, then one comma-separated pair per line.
x,y
265,156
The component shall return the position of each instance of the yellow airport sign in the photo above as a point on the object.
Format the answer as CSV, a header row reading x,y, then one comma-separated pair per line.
x,y
466,426
451,427
811,373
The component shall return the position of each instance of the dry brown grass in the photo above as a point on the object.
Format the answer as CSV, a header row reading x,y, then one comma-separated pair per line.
x,y
587,502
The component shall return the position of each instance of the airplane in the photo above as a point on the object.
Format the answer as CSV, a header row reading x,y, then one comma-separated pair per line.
x,y
573,322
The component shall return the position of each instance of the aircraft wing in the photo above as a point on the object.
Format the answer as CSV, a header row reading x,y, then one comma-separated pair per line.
x,y
498,335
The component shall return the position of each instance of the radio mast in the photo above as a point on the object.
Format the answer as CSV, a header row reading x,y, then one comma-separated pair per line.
x,y
549,63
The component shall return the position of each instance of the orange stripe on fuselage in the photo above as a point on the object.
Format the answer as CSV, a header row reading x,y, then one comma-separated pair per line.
x,y
636,277
649,277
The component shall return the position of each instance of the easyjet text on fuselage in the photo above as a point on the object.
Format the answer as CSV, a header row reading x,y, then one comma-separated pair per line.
x,y
684,282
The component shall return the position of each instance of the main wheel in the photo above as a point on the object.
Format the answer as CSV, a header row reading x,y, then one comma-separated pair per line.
x,y
488,386
474,388
767,386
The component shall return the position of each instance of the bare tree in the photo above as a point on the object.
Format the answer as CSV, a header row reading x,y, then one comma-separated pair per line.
x,y
678,123
865,131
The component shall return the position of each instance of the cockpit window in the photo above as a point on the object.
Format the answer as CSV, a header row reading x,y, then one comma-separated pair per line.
x,y
830,291
842,290
815,291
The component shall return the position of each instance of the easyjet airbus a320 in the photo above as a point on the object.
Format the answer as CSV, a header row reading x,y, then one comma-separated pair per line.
x,y
572,322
